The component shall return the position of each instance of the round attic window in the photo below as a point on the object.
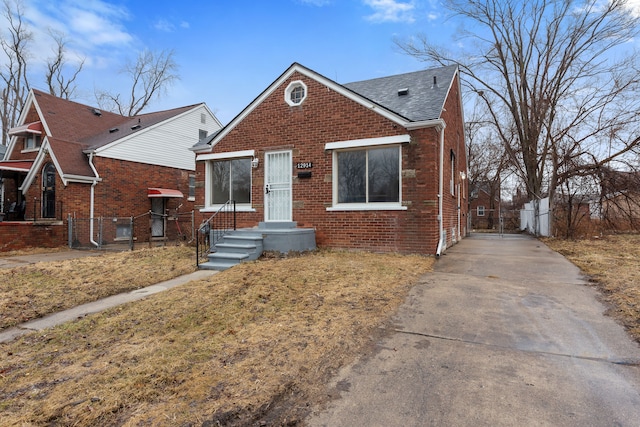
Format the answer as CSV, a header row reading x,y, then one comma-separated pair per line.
x,y
295,93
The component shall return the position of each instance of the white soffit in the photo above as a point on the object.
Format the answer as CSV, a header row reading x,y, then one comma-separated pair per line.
x,y
368,142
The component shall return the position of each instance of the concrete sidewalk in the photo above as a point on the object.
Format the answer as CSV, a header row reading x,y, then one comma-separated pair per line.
x,y
505,332
22,260
100,305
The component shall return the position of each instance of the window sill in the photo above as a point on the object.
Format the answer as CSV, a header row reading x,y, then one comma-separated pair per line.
x,y
30,150
367,207
216,208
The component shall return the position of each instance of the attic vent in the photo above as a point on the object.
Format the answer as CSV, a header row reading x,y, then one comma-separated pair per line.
x,y
403,91
96,112
136,126
435,82
112,130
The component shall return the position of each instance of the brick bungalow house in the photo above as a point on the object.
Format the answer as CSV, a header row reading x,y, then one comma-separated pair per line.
x,y
67,159
375,165
484,211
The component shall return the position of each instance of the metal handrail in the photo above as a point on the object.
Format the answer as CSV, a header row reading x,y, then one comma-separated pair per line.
x,y
214,229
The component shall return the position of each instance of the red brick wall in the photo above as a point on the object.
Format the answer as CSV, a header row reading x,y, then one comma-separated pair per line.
x,y
21,235
454,142
121,193
326,116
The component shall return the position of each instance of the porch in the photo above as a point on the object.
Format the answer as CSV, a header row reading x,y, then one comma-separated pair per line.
x,y
247,244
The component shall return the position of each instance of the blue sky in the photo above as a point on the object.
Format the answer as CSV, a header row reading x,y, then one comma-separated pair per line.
x,y
228,51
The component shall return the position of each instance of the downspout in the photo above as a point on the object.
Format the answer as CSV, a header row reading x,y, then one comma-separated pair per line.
x,y
441,243
91,201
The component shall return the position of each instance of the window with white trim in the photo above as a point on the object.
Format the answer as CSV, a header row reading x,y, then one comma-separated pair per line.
x,y
229,179
368,175
192,187
32,142
481,210
452,182
295,93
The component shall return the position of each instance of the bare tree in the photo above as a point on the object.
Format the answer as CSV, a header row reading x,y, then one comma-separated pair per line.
x,y
488,162
558,102
151,74
60,85
15,84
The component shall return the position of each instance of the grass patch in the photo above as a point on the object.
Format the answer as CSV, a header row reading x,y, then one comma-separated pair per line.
x,y
611,262
253,344
32,291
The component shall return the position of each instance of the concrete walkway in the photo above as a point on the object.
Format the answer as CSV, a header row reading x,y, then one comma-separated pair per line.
x,y
100,305
505,332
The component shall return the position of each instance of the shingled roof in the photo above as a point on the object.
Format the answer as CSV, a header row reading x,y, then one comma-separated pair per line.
x,y
416,96
73,129
411,97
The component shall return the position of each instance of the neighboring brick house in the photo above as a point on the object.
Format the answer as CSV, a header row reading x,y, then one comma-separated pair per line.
x,y
67,159
484,210
374,165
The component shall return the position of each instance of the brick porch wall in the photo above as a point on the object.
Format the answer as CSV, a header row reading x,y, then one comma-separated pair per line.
x,y
23,235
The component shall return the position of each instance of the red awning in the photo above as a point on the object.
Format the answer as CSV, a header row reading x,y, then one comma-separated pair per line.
x,y
163,192
16,165
35,127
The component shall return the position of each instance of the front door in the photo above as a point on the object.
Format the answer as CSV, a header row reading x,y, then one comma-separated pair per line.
x,y
277,186
157,217
49,191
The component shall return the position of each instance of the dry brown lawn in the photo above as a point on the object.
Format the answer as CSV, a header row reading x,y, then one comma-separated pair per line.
x,y
36,290
253,345
613,265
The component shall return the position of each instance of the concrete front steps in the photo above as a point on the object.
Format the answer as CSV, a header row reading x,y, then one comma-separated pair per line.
x,y
247,244
233,249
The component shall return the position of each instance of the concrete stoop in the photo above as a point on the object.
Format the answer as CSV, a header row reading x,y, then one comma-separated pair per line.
x,y
247,244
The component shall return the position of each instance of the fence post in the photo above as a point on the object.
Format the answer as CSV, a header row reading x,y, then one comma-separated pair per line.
x,y
70,231
100,232
198,248
131,233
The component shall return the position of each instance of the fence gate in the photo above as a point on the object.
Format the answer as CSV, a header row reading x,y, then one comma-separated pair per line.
x,y
114,233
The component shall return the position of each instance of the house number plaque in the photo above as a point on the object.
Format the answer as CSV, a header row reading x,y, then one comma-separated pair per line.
x,y
304,165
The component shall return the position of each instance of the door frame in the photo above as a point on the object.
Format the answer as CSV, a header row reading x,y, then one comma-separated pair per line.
x,y
266,185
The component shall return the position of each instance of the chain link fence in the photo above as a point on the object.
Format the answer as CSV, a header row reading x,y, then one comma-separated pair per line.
x,y
122,233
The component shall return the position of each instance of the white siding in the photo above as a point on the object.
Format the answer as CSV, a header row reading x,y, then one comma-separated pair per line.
x,y
165,144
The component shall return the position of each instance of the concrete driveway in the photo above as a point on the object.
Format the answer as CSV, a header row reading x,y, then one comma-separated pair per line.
x,y
505,332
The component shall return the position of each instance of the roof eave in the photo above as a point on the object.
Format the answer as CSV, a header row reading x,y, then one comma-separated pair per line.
x,y
437,123
295,67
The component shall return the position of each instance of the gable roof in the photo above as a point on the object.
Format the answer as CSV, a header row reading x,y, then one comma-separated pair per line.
x,y
71,131
422,106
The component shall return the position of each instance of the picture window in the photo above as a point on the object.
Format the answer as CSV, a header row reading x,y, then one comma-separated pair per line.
x,y
231,180
368,176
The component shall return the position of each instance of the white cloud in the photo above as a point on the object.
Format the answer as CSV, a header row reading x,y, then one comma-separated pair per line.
x,y
390,11
634,7
164,25
167,26
89,23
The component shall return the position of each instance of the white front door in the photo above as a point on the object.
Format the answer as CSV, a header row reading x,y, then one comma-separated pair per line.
x,y
277,186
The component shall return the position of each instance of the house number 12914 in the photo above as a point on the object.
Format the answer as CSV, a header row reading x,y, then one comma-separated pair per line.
x,y
304,165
